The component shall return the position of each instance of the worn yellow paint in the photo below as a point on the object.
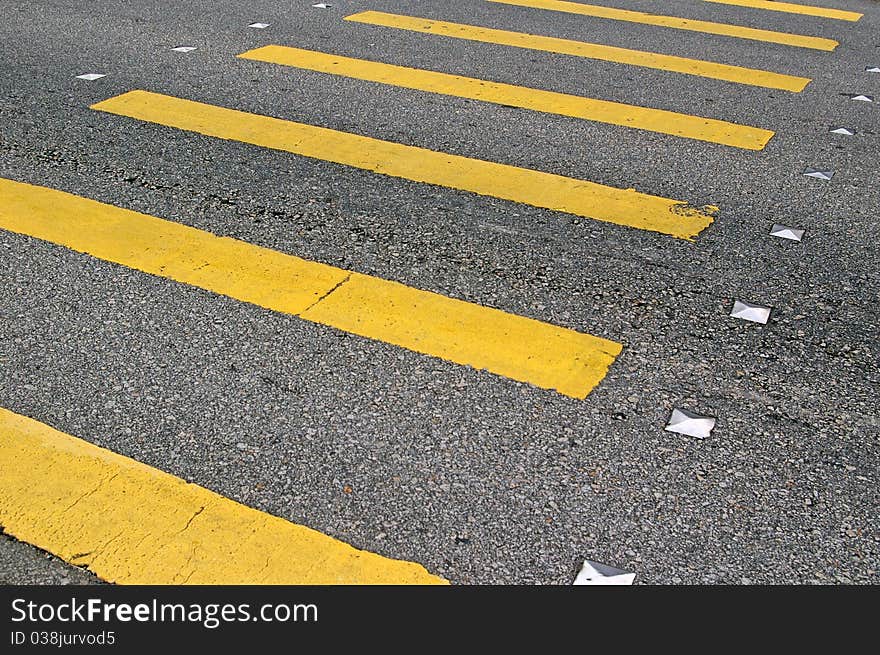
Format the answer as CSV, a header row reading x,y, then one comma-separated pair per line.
x,y
565,194
790,8
615,113
133,524
519,348
706,27
658,61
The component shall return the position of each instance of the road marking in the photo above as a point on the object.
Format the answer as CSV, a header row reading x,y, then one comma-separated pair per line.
x,y
790,8
615,113
721,29
512,346
641,58
130,523
536,188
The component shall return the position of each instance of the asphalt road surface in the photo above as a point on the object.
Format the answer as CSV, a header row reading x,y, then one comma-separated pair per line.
x,y
461,454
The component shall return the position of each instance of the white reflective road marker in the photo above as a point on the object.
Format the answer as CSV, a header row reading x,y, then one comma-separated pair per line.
x,y
785,232
751,312
91,76
819,175
693,425
861,98
593,573
322,5
259,26
872,69
841,130
184,48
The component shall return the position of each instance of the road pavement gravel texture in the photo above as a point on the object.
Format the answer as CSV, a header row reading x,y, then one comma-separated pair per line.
x,y
481,479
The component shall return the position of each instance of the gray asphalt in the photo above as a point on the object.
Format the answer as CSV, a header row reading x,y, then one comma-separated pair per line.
x,y
482,479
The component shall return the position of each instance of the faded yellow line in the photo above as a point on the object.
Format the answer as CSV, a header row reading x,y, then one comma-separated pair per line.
x,y
615,113
705,27
519,348
579,197
790,8
133,524
641,58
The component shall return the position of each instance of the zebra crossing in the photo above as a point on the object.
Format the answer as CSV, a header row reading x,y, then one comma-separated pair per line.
x,y
456,330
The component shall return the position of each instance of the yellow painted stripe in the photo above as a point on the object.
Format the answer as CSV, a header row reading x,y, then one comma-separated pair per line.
x,y
588,199
519,348
721,29
789,8
696,67
615,113
133,524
